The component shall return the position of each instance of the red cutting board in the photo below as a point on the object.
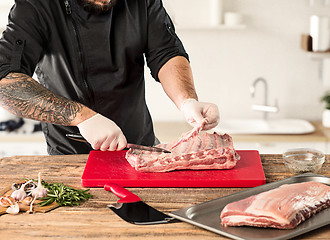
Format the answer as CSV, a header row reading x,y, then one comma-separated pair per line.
x,y
112,167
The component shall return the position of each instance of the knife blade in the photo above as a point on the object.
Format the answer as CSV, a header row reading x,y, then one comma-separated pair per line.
x,y
147,148
80,138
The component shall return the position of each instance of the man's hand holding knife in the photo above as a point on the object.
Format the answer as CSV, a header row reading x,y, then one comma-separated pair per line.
x,y
102,133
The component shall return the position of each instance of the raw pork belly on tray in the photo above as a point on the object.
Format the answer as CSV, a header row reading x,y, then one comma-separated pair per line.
x,y
284,207
194,150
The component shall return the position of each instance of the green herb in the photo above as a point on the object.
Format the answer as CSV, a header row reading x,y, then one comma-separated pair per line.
x,y
326,98
63,195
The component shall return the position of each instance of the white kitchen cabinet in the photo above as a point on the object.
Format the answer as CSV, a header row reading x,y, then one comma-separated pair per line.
x,y
12,144
22,148
279,147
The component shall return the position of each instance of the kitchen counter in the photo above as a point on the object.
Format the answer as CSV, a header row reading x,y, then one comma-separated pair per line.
x,y
320,134
93,220
264,143
167,131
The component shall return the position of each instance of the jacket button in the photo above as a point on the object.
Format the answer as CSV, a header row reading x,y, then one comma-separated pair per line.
x,y
19,42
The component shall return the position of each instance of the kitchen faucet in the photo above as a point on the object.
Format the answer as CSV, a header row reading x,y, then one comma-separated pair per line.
x,y
265,107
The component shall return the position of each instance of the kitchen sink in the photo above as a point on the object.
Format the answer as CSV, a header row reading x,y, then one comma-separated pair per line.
x,y
261,126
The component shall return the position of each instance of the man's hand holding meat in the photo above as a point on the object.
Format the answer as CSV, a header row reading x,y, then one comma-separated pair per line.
x,y
196,112
177,80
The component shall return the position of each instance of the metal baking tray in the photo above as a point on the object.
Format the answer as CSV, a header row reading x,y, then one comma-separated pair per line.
x,y
207,215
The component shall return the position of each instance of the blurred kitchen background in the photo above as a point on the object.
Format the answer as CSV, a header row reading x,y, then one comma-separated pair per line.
x,y
231,43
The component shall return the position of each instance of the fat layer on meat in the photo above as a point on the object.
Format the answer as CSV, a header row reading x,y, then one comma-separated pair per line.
x,y
284,207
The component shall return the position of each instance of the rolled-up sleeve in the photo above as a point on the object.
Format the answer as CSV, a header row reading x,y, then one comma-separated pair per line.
x,y
163,43
21,44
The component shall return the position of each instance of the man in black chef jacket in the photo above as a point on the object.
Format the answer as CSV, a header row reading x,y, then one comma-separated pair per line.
x,y
89,59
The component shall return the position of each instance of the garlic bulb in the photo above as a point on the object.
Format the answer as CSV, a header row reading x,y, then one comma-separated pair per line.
x,y
39,191
13,209
20,194
6,201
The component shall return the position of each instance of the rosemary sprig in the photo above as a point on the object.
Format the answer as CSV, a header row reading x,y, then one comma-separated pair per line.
x,y
63,195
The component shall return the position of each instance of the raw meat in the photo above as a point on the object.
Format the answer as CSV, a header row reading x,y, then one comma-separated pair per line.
x,y
284,207
194,150
185,137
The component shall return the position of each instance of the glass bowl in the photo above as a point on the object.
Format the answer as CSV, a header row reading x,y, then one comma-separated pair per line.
x,y
303,160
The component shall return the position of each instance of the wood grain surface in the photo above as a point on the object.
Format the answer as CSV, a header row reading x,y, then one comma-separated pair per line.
x,y
93,220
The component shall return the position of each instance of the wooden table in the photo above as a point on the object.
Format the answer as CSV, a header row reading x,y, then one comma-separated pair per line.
x,y
93,220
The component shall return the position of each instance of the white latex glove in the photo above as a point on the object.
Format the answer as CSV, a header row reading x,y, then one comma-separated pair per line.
x,y
102,133
195,112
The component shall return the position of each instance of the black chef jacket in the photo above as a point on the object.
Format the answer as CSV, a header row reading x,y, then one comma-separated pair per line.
x,y
97,60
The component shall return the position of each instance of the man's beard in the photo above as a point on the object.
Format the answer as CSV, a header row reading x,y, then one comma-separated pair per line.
x,y
94,8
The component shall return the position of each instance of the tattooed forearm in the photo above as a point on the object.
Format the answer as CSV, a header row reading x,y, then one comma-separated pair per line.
x,y
25,97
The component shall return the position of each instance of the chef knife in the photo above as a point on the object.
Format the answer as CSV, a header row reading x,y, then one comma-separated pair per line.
x,y
131,209
80,138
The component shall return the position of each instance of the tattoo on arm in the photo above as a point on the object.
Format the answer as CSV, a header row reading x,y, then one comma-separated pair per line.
x,y
23,96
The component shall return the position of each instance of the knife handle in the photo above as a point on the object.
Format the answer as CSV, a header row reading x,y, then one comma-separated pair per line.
x,y
124,195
